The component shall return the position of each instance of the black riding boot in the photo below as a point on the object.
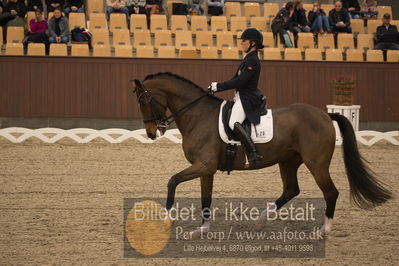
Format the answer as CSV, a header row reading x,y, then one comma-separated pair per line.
x,y
253,156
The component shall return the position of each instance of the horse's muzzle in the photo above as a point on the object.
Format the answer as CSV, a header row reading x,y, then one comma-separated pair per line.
x,y
151,136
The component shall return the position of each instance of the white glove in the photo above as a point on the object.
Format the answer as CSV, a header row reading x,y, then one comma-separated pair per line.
x,y
213,87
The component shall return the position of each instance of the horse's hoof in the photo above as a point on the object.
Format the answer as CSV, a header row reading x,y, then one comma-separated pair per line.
x,y
203,229
167,222
327,226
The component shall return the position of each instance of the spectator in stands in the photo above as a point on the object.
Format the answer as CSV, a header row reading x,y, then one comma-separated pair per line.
x,y
35,4
196,7
38,27
136,6
387,36
339,19
58,28
4,16
369,9
299,21
215,7
117,6
180,8
318,19
73,6
17,10
153,7
281,23
353,7
53,4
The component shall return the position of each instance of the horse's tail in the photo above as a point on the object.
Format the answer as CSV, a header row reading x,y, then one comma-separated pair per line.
x,y
366,190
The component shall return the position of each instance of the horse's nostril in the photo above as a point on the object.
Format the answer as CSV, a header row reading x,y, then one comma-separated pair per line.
x,y
151,135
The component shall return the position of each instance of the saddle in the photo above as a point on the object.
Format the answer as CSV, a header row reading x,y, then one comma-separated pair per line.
x,y
226,114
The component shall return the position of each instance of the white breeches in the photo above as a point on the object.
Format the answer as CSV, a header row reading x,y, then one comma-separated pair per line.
x,y
237,113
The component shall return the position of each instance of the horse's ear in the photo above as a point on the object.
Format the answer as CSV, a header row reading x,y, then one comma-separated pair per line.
x,y
138,83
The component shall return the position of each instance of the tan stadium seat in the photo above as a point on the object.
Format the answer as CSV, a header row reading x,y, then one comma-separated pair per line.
x,y
218,23
95,6
305,40
15,34
80,49
365,41
238,24
328,7
101,50
29,15
372,25
117,21
98,21
270,10
308,8
393,56
123,51
224,39
251,10
158,22
188,52
163,38
145,51
121,37
383,10
334,55
77,19
58,49
230,53
346,41
271,54
1,36
178,22
268,39
313,54
232,9
199,23
326,41
138,22
166,52
374,56
36,49
259,23
141,38
354,55
50,15
183,39
100,36
14,49
357,25
209,52
292,54
395,22
204,39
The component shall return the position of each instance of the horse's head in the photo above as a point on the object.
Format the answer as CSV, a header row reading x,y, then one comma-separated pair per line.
x,y
153,108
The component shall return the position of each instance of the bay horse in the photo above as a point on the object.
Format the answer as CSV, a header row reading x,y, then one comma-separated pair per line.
x,y
302,134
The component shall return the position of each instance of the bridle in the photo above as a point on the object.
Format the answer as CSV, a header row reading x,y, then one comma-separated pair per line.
x,y
160,119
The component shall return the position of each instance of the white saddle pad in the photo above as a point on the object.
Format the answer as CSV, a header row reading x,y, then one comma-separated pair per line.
x,y
261,133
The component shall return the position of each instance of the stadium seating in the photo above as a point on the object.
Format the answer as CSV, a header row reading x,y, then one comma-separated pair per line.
x,y
232,9
251,10
345,41
224,39
121,37
183,39
76,20
305,40
158,22
292,54
199,23
204,39
98,21
365,41
326,41
374,56
123,51
270,10
334,55
188,52
162,38
36,49
145,51
268,39
14,49
117,21
80,50
354,55
313,54
178,22
372,25
141,38
259,23
238,24
166,52
58,49
383,10
357,26
218,23
95,6
29,15
15,34
138,22
100,36
271,54
1,36
230,53
209,52
102,50
393,56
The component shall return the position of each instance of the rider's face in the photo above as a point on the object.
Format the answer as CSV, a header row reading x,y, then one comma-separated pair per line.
x,y
245,45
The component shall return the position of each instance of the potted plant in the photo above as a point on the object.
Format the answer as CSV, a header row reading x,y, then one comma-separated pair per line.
x,y
343,90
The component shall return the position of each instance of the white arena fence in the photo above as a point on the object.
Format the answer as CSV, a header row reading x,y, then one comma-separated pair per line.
x,y
116,135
